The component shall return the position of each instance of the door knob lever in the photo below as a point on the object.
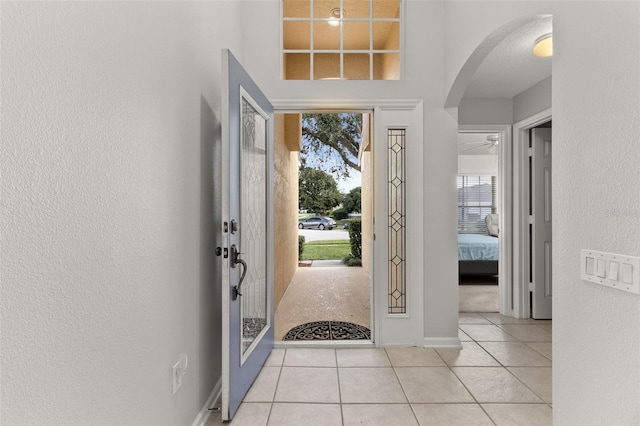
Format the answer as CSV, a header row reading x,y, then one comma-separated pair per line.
x,y
235,260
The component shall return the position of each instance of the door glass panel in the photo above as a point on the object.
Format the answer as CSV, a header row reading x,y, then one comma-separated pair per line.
x,y
253,222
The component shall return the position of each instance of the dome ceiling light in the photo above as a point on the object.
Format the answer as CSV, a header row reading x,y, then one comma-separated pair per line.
x,y
543,47
335,15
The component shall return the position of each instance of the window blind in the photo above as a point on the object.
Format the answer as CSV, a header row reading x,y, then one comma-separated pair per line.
x,y
477,197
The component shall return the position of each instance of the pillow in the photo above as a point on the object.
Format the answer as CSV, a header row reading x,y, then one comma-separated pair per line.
x,y
491,220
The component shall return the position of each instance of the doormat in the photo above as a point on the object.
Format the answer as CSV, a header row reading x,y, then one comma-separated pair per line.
x,y
328,330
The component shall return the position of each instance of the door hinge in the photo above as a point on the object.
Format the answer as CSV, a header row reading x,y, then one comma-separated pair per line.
x,y
530,152
531,288
225,227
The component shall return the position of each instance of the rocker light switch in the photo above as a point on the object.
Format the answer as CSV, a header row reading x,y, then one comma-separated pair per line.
x,y
613,271
600,271
627,273
590,262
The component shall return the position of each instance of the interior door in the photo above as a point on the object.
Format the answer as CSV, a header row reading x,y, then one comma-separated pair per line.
x,y
541,247
247,217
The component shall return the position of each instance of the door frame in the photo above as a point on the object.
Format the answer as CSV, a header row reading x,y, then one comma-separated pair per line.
x,y
381,323
521,250
505,212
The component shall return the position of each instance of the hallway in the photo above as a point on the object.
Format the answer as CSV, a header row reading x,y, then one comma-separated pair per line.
x,y
501,377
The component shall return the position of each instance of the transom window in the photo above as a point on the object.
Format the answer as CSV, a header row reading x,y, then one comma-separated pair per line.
x,y
341,39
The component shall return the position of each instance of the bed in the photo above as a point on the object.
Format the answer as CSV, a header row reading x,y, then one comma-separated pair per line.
x,y
477,254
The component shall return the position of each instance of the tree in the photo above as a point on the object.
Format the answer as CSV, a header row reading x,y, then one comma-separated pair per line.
x,y
353,201
331,142
318,191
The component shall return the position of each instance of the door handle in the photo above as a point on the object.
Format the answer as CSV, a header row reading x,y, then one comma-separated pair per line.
x,y
235,260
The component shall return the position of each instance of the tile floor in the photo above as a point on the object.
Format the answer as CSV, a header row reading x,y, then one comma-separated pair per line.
x,y
501,377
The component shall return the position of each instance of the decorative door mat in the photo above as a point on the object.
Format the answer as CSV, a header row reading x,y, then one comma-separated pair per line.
x,y
328,330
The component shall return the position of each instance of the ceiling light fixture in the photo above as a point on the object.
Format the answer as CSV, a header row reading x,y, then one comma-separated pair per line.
x,y
335,15
543,47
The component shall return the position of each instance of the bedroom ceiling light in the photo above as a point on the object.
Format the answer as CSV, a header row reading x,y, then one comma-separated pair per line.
x,y
335,15
543,47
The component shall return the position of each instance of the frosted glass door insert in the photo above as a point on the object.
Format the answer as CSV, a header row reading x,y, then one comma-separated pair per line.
x,y
253,221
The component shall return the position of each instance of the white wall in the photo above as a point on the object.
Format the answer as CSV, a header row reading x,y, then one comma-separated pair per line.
x,y
596,123
478,165
423,80
535,99
109,111
485,111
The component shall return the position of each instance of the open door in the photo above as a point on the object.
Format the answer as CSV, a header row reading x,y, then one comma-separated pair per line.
x,y
541,247
247,242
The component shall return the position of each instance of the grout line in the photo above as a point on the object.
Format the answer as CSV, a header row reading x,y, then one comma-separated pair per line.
x,y
335,354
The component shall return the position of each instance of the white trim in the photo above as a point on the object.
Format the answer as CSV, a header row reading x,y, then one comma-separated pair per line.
x,y
442,342
205,412
521,307
506,279
325,344
339,105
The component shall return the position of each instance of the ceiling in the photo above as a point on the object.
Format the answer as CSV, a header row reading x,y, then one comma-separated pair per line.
x,y
512,67
474,144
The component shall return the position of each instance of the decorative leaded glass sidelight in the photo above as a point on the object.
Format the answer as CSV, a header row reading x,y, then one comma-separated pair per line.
x,y
253,202
397,221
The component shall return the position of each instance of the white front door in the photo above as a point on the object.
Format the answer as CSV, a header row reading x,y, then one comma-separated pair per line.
x,y
247,247
541,244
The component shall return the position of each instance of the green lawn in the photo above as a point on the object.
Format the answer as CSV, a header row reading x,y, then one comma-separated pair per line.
x,y
326,250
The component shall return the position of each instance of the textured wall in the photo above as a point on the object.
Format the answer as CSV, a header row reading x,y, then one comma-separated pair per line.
x,y
285,203
108,110
596,205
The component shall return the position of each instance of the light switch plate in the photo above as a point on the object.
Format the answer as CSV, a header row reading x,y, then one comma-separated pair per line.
x,y
616,270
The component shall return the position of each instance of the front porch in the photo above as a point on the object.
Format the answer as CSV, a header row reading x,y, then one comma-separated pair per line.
x,y
331,293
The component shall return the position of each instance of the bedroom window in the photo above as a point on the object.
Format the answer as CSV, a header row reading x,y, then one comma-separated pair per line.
x,y
341,39
477,197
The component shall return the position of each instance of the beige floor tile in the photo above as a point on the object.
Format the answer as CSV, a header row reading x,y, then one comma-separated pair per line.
x,y
527,333
515,354
365,357
520,414
497,318
478,298
471,355
275,358
543,348
463,336
308,384
310,357
414,357
370,385
305,414
451,415
432,385
472,318
486,333
264,387
494,384
546,325
538,379
378,415
250,414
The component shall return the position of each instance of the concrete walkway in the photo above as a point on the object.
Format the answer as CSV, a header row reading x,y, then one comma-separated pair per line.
x,y
337,293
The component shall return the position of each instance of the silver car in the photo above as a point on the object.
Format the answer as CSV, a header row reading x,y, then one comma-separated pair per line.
x,y
317,222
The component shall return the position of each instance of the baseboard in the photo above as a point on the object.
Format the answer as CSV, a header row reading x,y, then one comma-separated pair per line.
x,y
442,342
204,413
